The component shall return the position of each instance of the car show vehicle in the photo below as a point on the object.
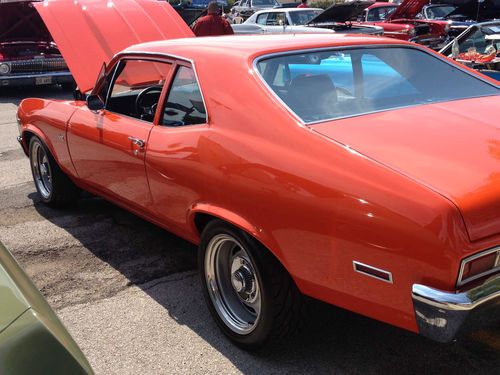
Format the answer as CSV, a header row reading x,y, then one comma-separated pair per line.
x,y
32,339
399,21
338,17
312,165
478,47
245,8
280,20
28,55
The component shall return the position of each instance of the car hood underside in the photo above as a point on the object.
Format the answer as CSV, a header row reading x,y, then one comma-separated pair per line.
x,y
90,32
452,148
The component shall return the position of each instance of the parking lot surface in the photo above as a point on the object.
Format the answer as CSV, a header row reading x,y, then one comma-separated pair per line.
x,y
129,294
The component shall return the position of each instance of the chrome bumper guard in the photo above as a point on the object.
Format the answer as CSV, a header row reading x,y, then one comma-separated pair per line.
x,y
441,314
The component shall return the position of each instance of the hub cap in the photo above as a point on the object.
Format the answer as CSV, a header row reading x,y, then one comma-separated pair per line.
x,y
42,173
232,284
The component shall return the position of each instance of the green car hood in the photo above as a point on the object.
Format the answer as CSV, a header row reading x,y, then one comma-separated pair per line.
x,y
18,295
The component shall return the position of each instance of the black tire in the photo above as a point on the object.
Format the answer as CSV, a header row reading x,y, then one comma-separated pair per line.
x,y
281,303
62,191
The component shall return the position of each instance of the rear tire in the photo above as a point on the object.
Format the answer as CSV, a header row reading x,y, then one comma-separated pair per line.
x,y
249,293
52,184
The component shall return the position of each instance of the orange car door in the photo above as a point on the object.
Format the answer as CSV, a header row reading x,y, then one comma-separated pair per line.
x,y
108,146
176,174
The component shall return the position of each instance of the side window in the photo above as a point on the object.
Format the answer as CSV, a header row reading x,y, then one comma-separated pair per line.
x,y
137,87
261,18
184,104
273,19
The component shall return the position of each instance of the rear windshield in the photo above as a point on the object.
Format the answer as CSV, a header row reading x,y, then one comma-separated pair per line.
x,y
325,85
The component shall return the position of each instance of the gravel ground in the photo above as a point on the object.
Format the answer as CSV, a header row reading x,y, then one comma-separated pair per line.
x,y
129,294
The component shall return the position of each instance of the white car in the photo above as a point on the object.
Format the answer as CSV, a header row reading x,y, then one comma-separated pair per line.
x,y
280,20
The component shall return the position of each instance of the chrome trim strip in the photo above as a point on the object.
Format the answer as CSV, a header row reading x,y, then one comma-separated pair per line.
x,y
495,268
464,301
361,46
34,75
389,274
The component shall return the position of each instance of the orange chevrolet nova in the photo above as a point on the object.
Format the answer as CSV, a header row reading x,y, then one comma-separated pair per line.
x,y
361,171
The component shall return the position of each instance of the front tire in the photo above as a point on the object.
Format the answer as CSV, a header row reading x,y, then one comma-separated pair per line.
x,y
250,295
53,186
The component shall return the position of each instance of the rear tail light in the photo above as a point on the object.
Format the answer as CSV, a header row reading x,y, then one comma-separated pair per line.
x,y
1,57
479,265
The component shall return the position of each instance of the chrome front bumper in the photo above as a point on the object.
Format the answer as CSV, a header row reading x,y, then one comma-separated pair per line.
x,y
440,315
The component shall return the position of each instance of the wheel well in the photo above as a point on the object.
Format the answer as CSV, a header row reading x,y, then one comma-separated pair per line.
x,y
201,220
27,137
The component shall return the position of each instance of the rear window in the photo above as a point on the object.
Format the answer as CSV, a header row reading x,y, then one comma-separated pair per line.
x,y
325,85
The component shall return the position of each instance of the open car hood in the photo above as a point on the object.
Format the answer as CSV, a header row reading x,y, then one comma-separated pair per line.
x,y
90,32
408,9
474,10
341,12
19,21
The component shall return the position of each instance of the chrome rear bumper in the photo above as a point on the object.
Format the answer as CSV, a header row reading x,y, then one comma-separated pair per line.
x,y
441,314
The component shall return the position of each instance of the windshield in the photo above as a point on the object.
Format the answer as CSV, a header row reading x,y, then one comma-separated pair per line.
x,y
439,11
264,3
303,17
325,85
380,13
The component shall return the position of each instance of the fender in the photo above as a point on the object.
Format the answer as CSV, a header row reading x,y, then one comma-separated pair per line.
x,y
238,221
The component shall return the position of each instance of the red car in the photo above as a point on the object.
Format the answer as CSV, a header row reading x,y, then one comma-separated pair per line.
x,y
28,54
399,22
361,171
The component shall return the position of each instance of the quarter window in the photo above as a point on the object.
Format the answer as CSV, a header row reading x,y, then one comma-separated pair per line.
x,y
184,105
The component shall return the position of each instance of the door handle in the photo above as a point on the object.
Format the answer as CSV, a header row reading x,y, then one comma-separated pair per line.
x,y
138,142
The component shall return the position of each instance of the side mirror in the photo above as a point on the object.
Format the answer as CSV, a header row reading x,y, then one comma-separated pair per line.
x,y
94,103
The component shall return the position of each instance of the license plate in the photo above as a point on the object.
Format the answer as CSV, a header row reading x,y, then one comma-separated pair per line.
x,y
43,80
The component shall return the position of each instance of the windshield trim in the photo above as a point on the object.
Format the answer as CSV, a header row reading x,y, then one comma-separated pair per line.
x,y
362,46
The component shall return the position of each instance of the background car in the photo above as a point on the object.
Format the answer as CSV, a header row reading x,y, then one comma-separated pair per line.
x,y
281,20
313,166
399,21
478,47
32,338
338,17
28,54
245,8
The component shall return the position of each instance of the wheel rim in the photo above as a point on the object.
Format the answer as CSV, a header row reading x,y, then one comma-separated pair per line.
x,y
41,170
232,284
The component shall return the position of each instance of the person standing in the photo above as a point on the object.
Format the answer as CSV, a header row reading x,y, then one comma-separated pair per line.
x,y
303,4
212,24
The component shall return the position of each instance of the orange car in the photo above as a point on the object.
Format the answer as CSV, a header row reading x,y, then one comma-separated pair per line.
x,y
361,171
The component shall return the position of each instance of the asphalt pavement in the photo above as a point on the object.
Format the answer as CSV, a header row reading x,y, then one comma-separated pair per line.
x,y
129,294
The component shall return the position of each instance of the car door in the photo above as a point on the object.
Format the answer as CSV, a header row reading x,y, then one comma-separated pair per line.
x,y
108,146
175,153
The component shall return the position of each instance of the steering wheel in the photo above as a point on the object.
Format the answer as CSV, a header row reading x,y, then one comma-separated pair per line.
x,y
142,109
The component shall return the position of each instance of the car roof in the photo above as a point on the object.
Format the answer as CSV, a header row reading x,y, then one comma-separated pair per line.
x,y
243,47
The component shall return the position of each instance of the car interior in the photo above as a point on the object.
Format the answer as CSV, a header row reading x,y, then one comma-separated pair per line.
x,y
329,85
139,97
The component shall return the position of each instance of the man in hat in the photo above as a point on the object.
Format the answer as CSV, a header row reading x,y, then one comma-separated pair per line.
x,y
212,24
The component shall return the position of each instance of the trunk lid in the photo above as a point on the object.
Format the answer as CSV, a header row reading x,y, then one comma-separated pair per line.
x,y
90,32
453,148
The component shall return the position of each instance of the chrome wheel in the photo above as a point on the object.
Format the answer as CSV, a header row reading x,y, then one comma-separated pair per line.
x,y
232,284
42,172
